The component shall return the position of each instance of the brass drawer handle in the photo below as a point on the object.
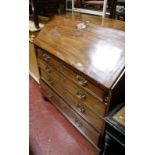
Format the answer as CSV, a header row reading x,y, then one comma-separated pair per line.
x,y
77,122
47,68
61,66
81,95
81,80
81,107
46,57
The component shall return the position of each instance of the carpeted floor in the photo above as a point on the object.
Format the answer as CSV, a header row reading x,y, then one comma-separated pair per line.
x,y
50,133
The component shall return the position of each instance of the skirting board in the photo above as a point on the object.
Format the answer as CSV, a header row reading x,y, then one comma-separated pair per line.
x,y
34,77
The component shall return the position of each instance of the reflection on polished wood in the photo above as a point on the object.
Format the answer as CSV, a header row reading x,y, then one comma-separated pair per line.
x,y
95,51
99,20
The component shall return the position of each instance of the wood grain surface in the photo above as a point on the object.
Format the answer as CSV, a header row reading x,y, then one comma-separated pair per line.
x,y
96,51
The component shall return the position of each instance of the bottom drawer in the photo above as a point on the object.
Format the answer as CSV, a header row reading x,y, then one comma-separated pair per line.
x,y
85,129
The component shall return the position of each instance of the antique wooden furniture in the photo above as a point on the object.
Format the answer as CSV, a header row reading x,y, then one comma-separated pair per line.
x,y
115,131
79,71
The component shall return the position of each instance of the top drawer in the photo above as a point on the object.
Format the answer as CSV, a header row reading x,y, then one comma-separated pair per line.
x,y
77,78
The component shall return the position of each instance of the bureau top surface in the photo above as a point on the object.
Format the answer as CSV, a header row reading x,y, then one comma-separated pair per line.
x,y
96,51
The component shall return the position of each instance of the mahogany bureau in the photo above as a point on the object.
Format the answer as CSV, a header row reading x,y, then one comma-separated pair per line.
x,y
79,71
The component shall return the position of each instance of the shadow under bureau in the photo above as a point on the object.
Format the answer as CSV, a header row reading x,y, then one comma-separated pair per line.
x,y
81,72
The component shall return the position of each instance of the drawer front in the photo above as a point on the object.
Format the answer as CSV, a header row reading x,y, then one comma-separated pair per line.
x,y
54,84
74,118
84,111
98,107
94,104
78,79
82,96
50,79
78,106
48,69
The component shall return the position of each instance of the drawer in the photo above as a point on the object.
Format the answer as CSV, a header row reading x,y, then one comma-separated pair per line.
x,y
46,68
84,128
77,78
54,83
80,107
50,79
84,111
98,107
82,96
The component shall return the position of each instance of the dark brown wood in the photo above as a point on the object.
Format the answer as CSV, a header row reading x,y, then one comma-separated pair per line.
x,y
116,119
84,128
97,52
115,131
83,68
80,107
99,107
64,69
98,20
